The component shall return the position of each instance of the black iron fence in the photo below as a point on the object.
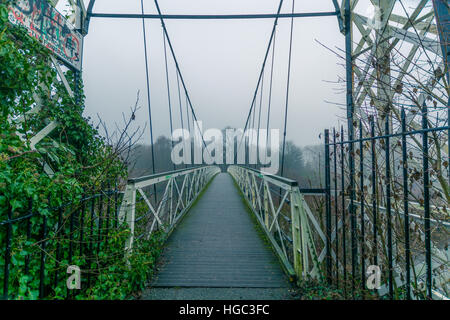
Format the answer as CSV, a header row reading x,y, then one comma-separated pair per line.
x,y
38,245
386,208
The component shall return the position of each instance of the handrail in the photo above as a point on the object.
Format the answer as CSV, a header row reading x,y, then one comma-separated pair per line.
x,y
287,181
284,180
159,175
285,217
181,189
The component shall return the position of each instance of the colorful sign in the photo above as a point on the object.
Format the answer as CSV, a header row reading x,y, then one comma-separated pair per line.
x,y
47,25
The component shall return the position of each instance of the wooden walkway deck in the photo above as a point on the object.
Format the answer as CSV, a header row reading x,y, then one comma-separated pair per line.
x,y
217,246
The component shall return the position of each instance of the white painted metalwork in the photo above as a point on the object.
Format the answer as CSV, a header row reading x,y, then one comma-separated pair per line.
x,y
176,191
285,217
389,49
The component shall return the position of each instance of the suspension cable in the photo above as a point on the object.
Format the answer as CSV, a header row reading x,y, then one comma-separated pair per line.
x,y
181,106
252,127
148,86
181,109
270,93
179,72
287,91
188,119
262,69
168,93
148,95
259,119
189,127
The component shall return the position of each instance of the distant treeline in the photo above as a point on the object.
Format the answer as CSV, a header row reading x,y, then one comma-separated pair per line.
x,y
304,164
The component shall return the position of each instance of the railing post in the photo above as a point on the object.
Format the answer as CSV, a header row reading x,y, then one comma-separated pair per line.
x,y
188,183
192,184
266,205
296,233
171,213
253,192
200,180
128,212
197,181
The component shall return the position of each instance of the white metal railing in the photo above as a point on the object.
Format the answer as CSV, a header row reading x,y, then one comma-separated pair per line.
x,y
146,209
286,218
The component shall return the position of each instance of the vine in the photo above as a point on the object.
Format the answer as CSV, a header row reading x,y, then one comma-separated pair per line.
x,y
83,163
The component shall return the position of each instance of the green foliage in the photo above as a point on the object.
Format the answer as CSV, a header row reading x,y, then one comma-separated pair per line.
x,y
74,150
82,163
120,278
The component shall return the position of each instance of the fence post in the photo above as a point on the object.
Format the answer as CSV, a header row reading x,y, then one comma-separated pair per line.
x,y
43,255
362,200
83,211
426,200
108,211
60,232
336,218
28,257
350,125
406,205
7,254
388,208
100,218
116,199
374,191
344,228
90,243
328,205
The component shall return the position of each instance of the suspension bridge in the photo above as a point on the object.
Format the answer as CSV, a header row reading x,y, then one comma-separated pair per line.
x,y
240,228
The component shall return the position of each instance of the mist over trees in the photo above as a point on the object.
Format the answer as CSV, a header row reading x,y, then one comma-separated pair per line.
x,y
303,164
140,160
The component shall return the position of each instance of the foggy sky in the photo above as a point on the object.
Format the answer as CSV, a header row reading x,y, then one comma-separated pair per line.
x,y
220,61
